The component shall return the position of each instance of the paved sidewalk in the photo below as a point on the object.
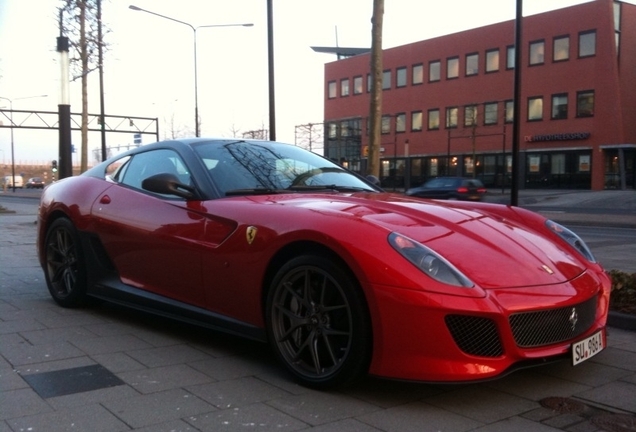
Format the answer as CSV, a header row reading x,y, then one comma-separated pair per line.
x,y
108,369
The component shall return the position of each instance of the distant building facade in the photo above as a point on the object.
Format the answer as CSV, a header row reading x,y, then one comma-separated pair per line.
x,y
448,103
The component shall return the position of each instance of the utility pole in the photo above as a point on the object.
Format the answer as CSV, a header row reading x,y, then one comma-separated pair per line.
x,y
64,108
100,48
516,122
375,105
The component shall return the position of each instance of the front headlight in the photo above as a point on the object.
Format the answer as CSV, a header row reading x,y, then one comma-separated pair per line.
x,y
574,240
429,261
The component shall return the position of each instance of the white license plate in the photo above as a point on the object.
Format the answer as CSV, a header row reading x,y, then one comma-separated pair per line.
x,y
587,348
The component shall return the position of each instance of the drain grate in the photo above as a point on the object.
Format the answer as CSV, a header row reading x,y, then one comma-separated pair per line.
x,y
563,405
70,381
615,422
606,421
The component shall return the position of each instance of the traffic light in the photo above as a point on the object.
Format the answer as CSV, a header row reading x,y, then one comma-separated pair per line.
x,y
54,166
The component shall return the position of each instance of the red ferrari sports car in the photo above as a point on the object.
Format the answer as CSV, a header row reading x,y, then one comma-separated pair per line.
x,y
275,243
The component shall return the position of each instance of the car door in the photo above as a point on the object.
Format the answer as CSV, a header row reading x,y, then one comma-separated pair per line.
x,y
154,241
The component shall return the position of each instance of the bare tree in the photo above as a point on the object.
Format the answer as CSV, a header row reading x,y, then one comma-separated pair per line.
x,y
375,107
262,134
311,136
174,130
80,23
235,130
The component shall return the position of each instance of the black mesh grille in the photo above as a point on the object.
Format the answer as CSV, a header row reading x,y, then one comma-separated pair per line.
x,y
533,329
475,335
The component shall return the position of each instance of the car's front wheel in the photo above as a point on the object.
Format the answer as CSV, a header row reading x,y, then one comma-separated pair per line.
x,y
318,322
64,265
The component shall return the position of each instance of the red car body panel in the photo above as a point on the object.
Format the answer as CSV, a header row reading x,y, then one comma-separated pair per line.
x,y
200,253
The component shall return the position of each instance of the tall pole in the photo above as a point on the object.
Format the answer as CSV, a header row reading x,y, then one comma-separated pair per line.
x,y
516,120
375,105
270,66
197,131
100,45
65,163
197,126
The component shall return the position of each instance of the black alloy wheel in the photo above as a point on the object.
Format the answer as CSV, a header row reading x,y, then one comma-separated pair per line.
x,y
318,322
64,269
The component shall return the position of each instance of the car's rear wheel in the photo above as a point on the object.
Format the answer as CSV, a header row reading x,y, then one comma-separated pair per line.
x,y
64,265
318,322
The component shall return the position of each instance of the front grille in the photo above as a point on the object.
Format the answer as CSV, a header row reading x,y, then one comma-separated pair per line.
x,y
475,335
534,329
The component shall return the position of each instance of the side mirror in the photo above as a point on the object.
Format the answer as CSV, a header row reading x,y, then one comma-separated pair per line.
x,y
168,184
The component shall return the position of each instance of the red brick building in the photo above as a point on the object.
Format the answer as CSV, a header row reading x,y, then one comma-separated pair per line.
x,y
447,103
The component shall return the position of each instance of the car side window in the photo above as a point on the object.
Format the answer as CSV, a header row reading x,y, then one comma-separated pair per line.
x,y
144,165
114,171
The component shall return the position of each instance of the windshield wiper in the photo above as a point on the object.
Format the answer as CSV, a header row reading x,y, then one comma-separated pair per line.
x,y
297,188
332,187
254,191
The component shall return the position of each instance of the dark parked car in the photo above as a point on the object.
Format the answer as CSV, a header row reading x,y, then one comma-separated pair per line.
x,y
35,183
454,188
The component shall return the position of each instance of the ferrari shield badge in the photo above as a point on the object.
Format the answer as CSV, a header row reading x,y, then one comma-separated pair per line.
x,y
250,234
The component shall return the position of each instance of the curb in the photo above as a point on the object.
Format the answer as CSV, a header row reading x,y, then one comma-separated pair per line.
x,y
621,320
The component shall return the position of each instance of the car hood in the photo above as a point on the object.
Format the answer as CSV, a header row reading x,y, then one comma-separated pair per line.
x,y
494,245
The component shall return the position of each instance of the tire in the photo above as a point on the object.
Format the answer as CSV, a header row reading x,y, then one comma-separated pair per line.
x,y
64,268
318,322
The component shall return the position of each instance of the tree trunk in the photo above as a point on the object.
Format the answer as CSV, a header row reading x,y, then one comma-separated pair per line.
x,y
375,106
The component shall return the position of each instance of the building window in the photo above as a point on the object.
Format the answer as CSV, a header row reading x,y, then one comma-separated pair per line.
x,y
470,115
510,57
558,164
587,43
344,87
333,89
472,64
333,130
537,52
585,103
535,108
400,77
510,111
492,60
386,124
561,48
490,113
345,129
418,74
369,80
416,121
451,117
400,122
357,85
386,80
452,67
559,106
433,119
434,71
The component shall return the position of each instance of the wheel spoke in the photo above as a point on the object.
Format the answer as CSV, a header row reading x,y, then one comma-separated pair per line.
x,y
62,262
309,344
295,323
325,339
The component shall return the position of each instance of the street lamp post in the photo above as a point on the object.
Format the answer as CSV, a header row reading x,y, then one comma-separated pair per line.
x,y
12,125
194,38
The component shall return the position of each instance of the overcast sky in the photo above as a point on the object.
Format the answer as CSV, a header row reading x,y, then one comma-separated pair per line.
x,y
149,67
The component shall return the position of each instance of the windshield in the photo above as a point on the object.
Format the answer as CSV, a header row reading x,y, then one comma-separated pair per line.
x,y
265,166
